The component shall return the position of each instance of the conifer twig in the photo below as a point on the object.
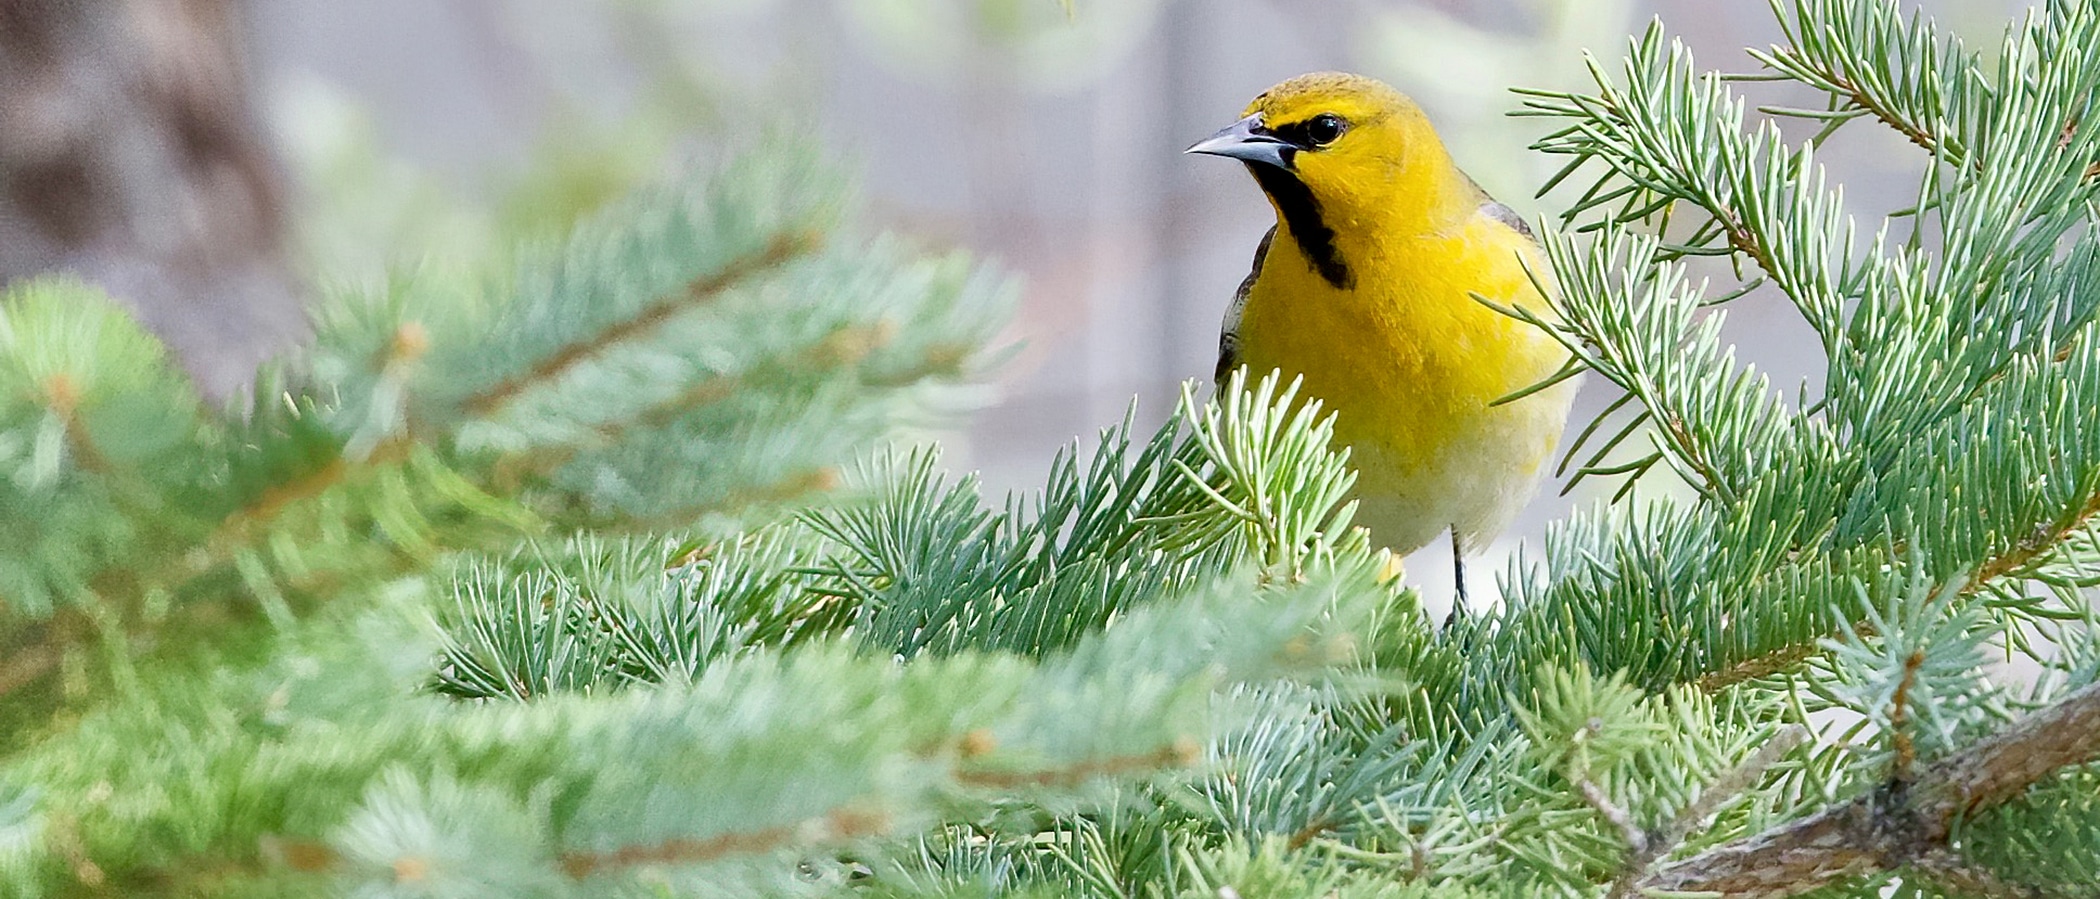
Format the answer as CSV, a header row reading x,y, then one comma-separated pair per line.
x,y
1636,839
1762,665
1731,783
845,347
1955,876
1182,753
2014,560
1892,828
839,824
1851,91
244,524
2025,552
776,252
25,665
1899,718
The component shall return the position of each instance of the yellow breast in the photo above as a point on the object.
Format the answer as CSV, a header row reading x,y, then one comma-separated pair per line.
x,y
1410,364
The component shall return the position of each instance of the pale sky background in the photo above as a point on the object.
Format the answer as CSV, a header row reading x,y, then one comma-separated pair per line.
x,y
1052,144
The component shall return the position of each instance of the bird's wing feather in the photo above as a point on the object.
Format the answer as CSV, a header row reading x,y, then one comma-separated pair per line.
x,y
1229,336
1495,209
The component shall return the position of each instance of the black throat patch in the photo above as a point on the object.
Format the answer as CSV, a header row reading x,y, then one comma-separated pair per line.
x,y
1301,214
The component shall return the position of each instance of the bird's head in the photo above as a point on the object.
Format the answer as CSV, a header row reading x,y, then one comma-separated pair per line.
x,y
1356,146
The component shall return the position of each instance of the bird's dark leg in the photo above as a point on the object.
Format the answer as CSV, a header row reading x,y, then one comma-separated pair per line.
x,y
1458,578
1458,567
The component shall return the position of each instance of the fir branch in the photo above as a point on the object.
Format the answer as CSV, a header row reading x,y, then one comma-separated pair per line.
x,y
1182,754
1891,828
62,397
1956,876
780,250
1877,107
1593,795
843,823
406,343
1651,847
247,524
1634,318
1824,50
2018,560
843,350
1763,665
1671,135
24,665
1732,784
1899,718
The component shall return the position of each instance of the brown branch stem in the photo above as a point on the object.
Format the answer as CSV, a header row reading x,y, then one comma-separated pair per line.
x,y
1645,848
1843,85
1182,754
26,665
781,249
839,824
1925,140
1899,718
1904,825
1757,666
241,526
2016,559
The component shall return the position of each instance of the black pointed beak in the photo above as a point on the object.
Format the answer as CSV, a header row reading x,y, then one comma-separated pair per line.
x,y
1248,140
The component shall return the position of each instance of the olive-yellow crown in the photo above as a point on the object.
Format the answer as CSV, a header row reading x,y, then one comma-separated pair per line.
x,y
1341,154
1354,98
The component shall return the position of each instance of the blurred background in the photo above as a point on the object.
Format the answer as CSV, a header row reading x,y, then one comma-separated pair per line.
x,y
215,163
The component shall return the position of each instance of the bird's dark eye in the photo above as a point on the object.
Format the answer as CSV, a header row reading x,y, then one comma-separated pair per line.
x,y
1323,129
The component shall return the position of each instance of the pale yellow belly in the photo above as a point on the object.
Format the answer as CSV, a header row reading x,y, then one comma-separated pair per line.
x,y
1472,480
1410,373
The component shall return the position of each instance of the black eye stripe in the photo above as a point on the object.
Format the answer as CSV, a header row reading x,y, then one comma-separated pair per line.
x,y
1312,133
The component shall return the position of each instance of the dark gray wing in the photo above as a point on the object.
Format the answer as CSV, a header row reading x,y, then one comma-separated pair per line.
x,y
1229,336
1493,208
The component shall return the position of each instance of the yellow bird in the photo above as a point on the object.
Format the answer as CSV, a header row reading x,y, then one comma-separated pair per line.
x,y
1364,289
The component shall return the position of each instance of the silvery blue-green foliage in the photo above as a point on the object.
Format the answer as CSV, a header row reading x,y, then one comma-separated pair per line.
x,y
639,375
489,653
1298,769
919,565
1889,531
716,786
706,345
98,441
1851,557
600,614
934,570
673,353
1914,674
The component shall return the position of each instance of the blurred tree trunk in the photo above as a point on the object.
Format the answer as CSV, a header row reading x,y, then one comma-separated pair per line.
x,y
129,156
